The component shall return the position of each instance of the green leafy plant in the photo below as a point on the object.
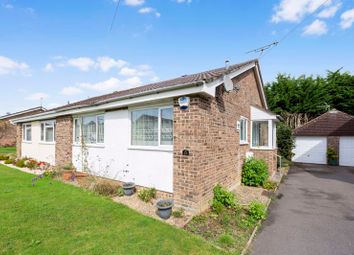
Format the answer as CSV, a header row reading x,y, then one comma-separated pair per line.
x,y
254,172
270,185
285,140
226,240
222,199
4,157
178,213
105,188
331,154
69,167
147,194
257,210
20,163
31,164
9,161
120,191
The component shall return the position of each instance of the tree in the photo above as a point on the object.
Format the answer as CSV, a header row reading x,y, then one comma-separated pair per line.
x,y
285,140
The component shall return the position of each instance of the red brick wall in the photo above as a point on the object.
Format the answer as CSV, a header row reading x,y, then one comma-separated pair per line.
x,y
19,140
208,130
63,140
269,156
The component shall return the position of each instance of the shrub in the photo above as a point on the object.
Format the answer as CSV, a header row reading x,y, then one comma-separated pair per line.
x,y
222,199
147,194
4,157
120,192
254,172
285,140
226,240
331,154
31,164
269,185
105,188
257,210
178,213
20,163
9,161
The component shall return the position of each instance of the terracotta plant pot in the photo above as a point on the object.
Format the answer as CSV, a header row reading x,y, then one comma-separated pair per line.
x,y
80,174
67,175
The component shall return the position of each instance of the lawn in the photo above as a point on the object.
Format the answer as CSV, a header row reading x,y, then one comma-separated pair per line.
x,y
5,150
55,218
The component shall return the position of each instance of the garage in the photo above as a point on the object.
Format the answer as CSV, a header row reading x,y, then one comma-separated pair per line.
x,y
346,151
333,129
310,150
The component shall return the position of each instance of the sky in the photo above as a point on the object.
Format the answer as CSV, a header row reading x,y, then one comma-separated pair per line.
x,y
57,52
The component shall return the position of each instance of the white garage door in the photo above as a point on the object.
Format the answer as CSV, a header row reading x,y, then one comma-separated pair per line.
x,y
310,149
346,151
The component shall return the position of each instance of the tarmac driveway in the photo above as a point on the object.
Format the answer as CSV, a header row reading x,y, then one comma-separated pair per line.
x,y
312,214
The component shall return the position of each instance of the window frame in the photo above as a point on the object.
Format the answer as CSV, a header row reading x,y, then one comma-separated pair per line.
x,y
24,132
53,125
159,145
270,124
80,121
244,142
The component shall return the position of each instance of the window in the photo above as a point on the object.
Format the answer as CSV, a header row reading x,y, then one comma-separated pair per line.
x,y
260,134
243,130
48,131
152,127
90,129
27,132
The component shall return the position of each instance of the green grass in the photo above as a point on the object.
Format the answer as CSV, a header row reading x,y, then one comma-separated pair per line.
x,y
5,150
54,218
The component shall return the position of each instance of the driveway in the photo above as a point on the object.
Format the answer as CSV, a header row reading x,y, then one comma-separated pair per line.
x,y
312,214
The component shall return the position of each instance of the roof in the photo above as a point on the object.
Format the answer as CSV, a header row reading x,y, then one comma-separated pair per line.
x,y
331,123
196,78
24,112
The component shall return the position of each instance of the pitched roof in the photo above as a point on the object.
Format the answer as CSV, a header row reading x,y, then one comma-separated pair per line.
x,y
196,78
23,113
331,123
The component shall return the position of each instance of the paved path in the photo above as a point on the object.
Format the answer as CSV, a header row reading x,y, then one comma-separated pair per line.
x,y
313,214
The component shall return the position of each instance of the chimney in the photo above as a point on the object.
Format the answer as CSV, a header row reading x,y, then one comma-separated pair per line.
x,y
227,64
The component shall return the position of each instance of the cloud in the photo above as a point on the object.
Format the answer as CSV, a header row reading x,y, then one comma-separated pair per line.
x,y
134,2
7,6
147,10
112,84
48,68
347,19
330,11
295,10
107,63
70,91
184,1
140,71
9,66
37,96
318,27
82,63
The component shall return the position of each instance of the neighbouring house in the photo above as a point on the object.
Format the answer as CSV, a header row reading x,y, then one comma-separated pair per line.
x,y
143,135
333,129
8,130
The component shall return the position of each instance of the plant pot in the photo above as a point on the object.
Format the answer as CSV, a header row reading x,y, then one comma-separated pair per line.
x,y
68,175
80,174
164,208
129,188
333,162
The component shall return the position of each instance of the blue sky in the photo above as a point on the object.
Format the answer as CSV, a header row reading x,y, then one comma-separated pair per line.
x,y
64,50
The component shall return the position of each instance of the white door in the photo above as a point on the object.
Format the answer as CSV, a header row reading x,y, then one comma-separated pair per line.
x,y
346,151
310,149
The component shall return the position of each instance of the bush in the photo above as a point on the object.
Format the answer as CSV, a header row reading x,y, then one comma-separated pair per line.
x,y
222,199
105,188
254,172
285,140
147,194
20,163
4,157
9,161
31,164
269,185
257,210
331,154
178,213
120,192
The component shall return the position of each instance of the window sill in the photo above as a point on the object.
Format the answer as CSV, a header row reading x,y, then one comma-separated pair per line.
x,y
244,143
90,145
263,148
27,142
151,148
47,143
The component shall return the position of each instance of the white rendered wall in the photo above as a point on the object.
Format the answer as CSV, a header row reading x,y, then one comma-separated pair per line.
x,y
36,149
116,159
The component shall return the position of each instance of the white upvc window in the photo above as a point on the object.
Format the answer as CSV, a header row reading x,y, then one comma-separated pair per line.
x,y
243,130
152,127
263,134
48,131
27,132
89,129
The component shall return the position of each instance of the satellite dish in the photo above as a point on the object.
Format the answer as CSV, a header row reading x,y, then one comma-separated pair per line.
x,y
228,84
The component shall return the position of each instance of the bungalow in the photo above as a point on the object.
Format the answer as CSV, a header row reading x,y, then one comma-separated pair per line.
x,y
8,130
181,136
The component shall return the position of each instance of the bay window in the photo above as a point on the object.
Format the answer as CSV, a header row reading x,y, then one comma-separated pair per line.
x,y
27,132
89,129
48,131
243,130
152,127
